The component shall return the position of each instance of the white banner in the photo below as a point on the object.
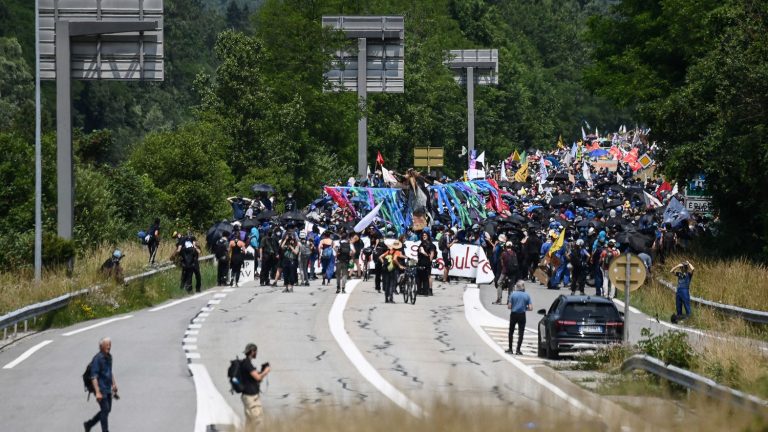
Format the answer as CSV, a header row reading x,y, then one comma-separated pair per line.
x,y
247,271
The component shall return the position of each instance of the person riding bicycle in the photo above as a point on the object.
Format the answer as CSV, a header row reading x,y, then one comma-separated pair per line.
x,y
508,270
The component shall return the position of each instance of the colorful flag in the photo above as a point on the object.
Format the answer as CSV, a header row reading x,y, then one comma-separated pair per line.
x,y
516,156
379,158
558,244
522,174
543,173
574,149
523,157
560,143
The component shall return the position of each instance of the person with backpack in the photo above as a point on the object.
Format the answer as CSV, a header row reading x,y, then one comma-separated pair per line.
x,y
102,384
344,253
189,251
111,268
326,257
446,242
305,251
236,259
426,254
221,250
251,379
357,249
578,257
379,248
606,256
153,240
509,266
253,242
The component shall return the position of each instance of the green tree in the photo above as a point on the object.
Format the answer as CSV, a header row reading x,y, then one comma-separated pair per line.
x,y
16,87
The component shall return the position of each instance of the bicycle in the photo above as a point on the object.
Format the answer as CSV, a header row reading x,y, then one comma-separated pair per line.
x,y
409,282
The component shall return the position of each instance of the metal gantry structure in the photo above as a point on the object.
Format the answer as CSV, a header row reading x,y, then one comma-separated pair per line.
x,y
378,66
118,40
470,67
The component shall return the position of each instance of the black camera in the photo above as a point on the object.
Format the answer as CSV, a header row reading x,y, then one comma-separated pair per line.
x,y
264,366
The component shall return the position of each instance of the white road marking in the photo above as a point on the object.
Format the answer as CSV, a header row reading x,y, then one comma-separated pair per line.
x,y
336,324
191,332
204,314
228,290
218,296
179,301
214,302
212,409
109,321
195,326
189,340
632,309
192,355
478,317
207,309
198,320
26,354
190,347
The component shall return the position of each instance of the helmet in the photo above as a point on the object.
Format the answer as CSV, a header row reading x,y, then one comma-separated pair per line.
x,y
117,254
579,242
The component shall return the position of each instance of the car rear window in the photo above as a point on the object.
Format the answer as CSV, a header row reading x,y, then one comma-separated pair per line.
x,y
576,311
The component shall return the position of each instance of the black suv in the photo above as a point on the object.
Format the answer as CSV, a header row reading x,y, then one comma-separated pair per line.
x,y
579,322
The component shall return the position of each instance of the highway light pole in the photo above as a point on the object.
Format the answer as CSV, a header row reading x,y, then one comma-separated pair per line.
x,y
38,156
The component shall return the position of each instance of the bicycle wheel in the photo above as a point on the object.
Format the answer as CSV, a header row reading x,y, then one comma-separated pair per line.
x,y
413,294
407,288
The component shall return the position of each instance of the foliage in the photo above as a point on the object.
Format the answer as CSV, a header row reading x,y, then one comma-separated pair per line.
x,y
57,252
696,73
671,347
16,86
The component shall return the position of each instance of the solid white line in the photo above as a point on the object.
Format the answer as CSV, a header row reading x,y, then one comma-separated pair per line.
x,y
211,406
632,309
339,332
26,354
109,321
477,317
176,302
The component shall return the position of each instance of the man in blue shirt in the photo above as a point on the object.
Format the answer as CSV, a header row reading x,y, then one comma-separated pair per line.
x,y
105,385
683,294
519,303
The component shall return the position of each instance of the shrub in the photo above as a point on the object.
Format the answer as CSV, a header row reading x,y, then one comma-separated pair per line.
x,y
671,348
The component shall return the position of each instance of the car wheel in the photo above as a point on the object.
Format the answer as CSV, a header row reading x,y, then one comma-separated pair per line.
x,y
540,350
551,353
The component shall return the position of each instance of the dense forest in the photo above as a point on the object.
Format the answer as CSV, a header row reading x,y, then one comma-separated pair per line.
x,y
243,102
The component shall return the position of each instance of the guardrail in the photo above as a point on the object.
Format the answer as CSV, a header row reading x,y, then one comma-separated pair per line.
x,y
694,382
31,312
755,316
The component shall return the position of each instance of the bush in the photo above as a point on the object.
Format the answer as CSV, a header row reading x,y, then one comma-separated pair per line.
x,y
57,251
671,348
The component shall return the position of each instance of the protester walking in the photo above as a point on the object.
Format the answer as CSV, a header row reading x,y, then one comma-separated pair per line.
x,y
221,250
153,240
251,379
305,251
578,257
290,262
446,242
508,270
236,259
519,303
344,253
189,253
104,384
391,262
426,254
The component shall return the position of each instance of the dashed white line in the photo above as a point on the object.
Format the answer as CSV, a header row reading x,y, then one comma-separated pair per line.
x,y
214,302
195,326
26,354
191,332
336,324
189,340
109,321
192,355
190,347
176,302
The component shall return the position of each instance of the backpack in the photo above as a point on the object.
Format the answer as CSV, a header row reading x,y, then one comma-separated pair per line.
x,y
345,251
142,237
233,375
328,252
188,254
87,381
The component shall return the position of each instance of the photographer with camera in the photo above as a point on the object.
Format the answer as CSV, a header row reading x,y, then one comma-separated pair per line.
x,y
251,381
683,293
290,249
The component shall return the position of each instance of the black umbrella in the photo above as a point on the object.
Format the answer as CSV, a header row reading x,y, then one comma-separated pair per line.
x,y
262,187
266,214
560,200
505,183
215,232
613,203
293,216
248,224
561,176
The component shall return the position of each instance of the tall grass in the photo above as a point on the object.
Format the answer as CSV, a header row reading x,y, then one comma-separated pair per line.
x,y
17,288
737,281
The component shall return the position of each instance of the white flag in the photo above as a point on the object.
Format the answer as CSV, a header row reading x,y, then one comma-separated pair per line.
x,y
674,189
587,173
368,219
481,159
504,171
387,176
650,199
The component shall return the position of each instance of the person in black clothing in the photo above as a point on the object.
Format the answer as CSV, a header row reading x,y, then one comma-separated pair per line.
x,y
221,250
379,248
251,379
268,256
153,240
426,255
189,252
531,251
290,202
104,384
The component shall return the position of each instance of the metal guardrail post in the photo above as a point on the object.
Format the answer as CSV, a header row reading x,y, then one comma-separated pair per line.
x,y
754,316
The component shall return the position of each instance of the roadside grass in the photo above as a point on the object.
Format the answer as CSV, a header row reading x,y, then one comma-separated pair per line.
x,y
17,288
466,416
738,282
114,299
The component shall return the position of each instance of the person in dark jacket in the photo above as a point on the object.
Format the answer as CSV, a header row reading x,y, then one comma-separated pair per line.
x,y
104,384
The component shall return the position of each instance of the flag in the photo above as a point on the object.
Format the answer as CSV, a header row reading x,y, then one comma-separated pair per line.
x,y
583,134
674,189
379,158
463,151
597,133
387,176
675,213
522,174
574,149
558,244
523,157
504,171
368,219
515,156
560,143
543,173
587,173
651,200
481,159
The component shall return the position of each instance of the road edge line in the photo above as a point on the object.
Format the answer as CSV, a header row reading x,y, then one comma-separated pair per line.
x,y
28,353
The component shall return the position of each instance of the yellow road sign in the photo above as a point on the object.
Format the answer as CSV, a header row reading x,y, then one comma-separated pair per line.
x,y
617,272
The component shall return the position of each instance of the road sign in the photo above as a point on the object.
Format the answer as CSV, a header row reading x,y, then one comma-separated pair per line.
x,y
617,272
125,56
484,64
430,157
383,50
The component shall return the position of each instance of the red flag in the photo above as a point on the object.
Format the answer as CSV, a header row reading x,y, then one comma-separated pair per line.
x,y
379,158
